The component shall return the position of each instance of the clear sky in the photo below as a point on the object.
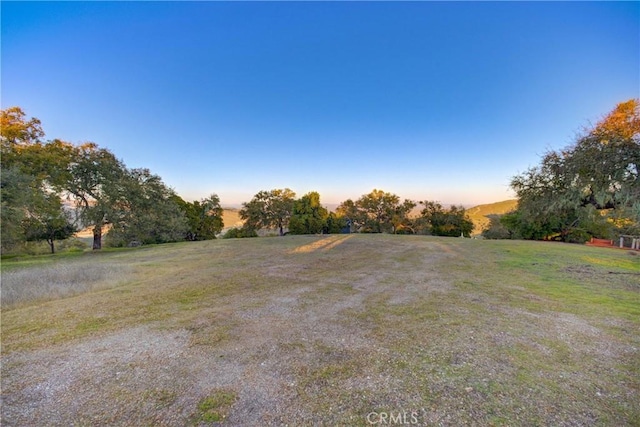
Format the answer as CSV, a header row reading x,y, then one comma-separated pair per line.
x,y
429,100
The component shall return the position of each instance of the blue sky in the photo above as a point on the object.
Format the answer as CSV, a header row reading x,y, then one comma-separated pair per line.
x,y
429,100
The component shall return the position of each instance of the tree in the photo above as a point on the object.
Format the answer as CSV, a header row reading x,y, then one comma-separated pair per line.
x,y
599,172
621,123
377,212
35,175
204,218
94,178
336,224
147,212
15,130
17,195
547,201
31,206
379,208
353,216
269,209
308,216
605,162
437,221
48,221
496,229
400,220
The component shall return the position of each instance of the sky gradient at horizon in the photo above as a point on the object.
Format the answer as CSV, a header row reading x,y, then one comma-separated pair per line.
x,y
429,100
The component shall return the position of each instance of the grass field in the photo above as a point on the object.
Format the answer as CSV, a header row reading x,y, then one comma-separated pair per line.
x,y
324,330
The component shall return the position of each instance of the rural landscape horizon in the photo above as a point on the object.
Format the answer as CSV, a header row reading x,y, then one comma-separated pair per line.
x,y
320,213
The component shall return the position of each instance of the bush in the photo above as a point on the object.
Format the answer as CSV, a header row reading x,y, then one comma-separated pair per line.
x,y
236,233
495,229
73,245
577,236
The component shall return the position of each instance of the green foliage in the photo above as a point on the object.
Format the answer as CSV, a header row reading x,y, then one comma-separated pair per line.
x,y
400,220
379,208
377,212
590,188
437,221
309,216
37,175
16,195
496,229
235,233
147,213
269,209
204,217
97,181
31,205
336,224
48,221
353,216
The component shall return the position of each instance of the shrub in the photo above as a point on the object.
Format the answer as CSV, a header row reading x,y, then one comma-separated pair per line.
x,y
495,229
577,236
236,233
73,245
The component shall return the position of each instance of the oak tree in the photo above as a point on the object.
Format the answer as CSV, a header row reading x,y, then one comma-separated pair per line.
x,y
308,216
269,209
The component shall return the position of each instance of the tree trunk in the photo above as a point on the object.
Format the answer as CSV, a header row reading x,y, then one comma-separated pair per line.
x,y
97,237
50,242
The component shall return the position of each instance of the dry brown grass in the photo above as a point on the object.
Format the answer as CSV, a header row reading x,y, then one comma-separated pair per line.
x,y
55,281
231,218
306,330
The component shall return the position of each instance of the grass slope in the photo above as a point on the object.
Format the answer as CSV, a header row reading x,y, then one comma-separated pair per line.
x,y
478,214
330,330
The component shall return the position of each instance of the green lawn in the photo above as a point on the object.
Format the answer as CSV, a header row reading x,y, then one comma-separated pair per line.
x,y
325,330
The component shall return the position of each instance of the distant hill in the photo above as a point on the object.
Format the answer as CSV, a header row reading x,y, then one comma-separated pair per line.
x,y
478,214
231,218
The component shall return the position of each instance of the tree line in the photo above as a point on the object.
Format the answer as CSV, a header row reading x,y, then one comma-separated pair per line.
x,y
375,212
590,188
51,189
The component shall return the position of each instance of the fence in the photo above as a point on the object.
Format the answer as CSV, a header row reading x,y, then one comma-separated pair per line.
x,y
628,241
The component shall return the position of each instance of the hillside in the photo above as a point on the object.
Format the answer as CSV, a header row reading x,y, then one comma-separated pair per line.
x,y
231,218
478,214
